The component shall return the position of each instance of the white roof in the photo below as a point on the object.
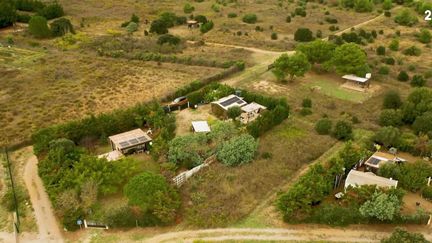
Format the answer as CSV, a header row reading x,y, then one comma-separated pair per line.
x,y
130,138
111,156
230,101
359,178
200,126
355,78
252,107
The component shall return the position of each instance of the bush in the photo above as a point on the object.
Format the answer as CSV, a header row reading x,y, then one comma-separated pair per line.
x,y
403,236
427,192
394,45
390,117
412,51
268,119
288,19
424,36
388,136
307,103
38,27
305,111
159,27
331,20
62,26
363,6
188,8
23,18
390,61
392,100
387,5
403,76
250,18
234,112
7,14
381,50
300,12
406,18
384,70
132,27
303,35
418,81
323,126
206,27
201,19
274,36
423,123
232,15
382,206
168,39
343,130
387,13
154,196
238,150
29,5
52,11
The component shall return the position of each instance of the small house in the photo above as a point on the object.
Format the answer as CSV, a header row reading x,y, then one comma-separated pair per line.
x,y
220,107
200,126
380,158
130,142
251,111
362,82
358,178
192,24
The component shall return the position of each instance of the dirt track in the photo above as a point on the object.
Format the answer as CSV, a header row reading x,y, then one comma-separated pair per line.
x,y
49,230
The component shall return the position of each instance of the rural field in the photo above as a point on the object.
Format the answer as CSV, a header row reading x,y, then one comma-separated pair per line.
x,y
335,83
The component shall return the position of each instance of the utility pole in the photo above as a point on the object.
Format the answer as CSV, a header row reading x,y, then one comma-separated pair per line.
x,y
17,224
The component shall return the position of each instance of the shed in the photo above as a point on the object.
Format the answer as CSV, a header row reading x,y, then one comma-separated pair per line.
x,y
251,112
358,178
130,142
360,81
192,24
200,126
220,107
380,158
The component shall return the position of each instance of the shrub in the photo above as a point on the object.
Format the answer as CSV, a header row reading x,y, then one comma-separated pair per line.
x,y
250,18
62,26
303,35
168,39
427,192
392,100
323,126
29,5
268,119
7,14
38,27
412,51
406,18
305,111
403,236
390,61
132,27
343,130
387,13
238,150
201,19
206,27
274,36
388,136
159,27
424,36
394,45
331,20
232,15
403,76
52,11
423,123
307,103
363,6
384,70
23,18
390,117
387,5
153,196
288,19
234,112
381,50
300,12
418,81
188,8
382,206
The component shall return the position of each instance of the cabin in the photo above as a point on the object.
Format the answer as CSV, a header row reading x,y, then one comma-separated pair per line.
x,y
379,158
192,24
358,178
130,142
251,111
220,107
360,82
200,127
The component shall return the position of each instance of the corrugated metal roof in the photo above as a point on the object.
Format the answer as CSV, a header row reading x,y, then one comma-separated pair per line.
x,y
359,178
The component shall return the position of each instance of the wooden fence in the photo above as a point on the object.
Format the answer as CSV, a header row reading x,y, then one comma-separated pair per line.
x,y
181,178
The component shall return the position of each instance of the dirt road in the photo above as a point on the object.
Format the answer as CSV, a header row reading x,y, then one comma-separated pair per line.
x,y
49,230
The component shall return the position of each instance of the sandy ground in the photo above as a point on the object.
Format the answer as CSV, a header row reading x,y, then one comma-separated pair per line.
x,y
49,230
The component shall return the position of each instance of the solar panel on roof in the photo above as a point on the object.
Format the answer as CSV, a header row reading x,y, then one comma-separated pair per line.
x,y
124,144
133,141
229,101
142,139
374,161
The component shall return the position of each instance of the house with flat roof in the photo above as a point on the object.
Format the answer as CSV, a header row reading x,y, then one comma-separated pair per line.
x,y
358,178
380,158
130,142
251,111
220,107
200,126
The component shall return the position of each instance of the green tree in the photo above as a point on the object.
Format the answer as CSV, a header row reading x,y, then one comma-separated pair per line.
x,y
154,196
382,206
188,150
351,154
234,112
423,123
303,35
132,27
323,126
238,150
51,11
7,13
387,4
38,27
317,51
388,136
62,26
394,45
390,117
168,39
402,236
343,130
403,76
406,18
418,81
188,8
159,27
349,58
294,66
363,6
206,27
392,100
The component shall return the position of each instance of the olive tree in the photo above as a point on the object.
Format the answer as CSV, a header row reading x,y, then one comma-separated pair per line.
x,y
238,150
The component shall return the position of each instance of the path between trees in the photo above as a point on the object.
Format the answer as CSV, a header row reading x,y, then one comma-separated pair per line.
x,y
49,230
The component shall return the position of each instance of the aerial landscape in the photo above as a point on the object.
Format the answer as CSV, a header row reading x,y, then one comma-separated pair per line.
x,y
240,121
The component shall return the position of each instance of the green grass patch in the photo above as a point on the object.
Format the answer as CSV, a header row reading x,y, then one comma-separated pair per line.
x,y
289,131
18,57
333,89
